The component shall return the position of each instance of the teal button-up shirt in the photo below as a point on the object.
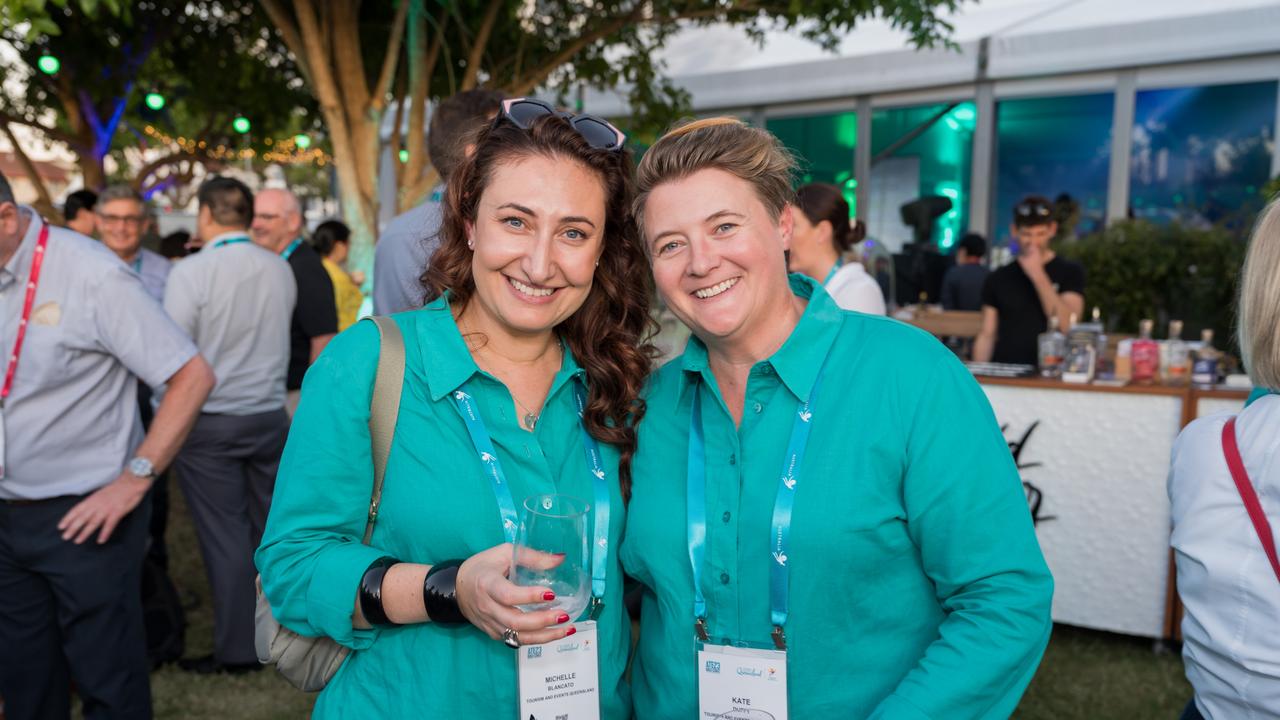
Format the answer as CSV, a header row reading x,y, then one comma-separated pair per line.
x,y
437,504
917,586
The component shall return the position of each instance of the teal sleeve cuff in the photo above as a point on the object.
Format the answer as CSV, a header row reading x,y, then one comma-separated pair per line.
x,y
332,591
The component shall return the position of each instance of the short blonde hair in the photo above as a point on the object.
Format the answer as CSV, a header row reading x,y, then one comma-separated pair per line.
x,y
1259,310
722,143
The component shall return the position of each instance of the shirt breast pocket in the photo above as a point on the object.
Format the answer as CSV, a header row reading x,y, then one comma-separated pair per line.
x,y
46,356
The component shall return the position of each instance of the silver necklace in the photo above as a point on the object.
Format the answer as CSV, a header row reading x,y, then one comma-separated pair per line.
x,y
530,418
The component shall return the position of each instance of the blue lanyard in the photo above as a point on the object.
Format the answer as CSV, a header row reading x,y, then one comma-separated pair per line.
x,y
229,241
834,269
292,246
780,526
137,263
506,505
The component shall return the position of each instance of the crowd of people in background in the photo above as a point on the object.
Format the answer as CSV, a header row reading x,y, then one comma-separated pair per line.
x,y
192,356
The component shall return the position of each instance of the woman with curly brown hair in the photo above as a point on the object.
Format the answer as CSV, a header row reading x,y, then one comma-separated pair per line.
x,y
531,349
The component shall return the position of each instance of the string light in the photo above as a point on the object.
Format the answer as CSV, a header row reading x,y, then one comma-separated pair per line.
x,y
284,151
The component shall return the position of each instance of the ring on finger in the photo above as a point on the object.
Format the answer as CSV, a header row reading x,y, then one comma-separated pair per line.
x,y
511,638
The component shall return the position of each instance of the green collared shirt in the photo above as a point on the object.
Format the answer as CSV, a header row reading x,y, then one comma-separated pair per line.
x,y
917,586
437,505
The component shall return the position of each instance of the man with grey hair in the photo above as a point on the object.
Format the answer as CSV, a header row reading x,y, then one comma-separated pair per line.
x,y
235,298
408,241
122,217
277,226
78,330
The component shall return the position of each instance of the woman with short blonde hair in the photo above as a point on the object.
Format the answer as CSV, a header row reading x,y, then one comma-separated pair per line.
x,y
815,537
1228,580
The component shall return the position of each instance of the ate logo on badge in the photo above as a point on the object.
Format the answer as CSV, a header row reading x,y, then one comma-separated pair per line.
x,y
737,683
561,680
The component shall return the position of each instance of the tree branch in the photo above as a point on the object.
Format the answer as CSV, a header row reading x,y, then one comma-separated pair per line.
x,y
42,191
481,43
52,133
349,60
421,69
387,75
527,85
288,30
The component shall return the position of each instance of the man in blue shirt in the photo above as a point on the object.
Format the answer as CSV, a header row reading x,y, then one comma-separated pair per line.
x,y
962,285
409,239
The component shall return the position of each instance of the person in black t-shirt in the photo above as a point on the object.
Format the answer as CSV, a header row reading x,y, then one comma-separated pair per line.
x,y
277,226
1019,298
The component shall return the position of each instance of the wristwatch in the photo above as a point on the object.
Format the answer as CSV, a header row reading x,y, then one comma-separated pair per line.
x,y
142,468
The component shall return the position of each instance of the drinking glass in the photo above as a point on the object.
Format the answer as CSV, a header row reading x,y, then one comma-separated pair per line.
x,y
557,525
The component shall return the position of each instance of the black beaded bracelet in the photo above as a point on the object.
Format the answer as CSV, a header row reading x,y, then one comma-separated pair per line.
x,y
371,592
439,594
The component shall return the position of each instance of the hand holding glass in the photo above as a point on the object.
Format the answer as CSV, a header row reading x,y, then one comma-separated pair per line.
x,y
554,525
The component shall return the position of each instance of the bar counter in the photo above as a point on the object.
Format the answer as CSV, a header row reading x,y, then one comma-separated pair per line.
x,y
1094,462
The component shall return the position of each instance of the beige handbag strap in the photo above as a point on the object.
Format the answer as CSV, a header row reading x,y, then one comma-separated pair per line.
x,y
385,407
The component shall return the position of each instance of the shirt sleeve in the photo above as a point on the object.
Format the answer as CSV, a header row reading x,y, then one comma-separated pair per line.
x,y
989,291
135,329
967,513
317,310
1072,278
401,256
312,558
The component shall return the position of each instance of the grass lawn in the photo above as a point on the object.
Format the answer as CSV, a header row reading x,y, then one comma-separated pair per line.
x,y
1085,674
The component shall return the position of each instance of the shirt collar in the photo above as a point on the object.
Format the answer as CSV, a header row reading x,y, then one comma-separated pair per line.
x,y
228,236
801,357
1259,393
20,262
445,352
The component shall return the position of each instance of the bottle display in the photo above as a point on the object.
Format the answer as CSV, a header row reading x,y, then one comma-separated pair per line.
x,y
1144,354
1176,359
1204,369
1053,348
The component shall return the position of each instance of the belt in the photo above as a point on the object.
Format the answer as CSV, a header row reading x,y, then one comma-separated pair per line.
x,y
37,501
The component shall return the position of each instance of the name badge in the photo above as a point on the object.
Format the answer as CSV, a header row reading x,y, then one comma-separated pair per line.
x,y
737,683
561,680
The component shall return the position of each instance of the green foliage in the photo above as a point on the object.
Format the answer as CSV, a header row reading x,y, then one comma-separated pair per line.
x,y
1137,269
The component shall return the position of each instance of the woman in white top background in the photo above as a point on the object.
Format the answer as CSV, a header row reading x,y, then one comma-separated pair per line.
x,y
822,237
1231,631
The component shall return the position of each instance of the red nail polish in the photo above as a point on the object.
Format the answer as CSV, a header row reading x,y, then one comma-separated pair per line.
x,y
571,631
562,619
548,596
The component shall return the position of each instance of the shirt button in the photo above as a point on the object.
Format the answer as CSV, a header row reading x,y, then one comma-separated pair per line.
x,y
724,578
726,516
758,408
733,459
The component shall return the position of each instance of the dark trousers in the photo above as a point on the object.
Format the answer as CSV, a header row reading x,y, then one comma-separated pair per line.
x,y
71,614
227,470
157,550
1191,712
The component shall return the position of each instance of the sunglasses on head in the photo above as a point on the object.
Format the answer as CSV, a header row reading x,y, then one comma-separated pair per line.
x,y
599,134
1033,209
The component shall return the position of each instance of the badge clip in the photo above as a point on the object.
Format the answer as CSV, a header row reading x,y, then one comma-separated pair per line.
x,y
594,609
779,638
700,629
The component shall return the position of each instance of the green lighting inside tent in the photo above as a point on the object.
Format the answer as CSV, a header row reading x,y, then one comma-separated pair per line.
x,y
302,140
964,113
240,125
404,156
154,100
847,129
48,64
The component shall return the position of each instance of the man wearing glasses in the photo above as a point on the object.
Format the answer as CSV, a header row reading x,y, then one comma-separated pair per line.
x,y
122,216
1019,298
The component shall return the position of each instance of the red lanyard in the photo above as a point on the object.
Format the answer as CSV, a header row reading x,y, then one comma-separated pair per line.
x,y
1248,494
34,279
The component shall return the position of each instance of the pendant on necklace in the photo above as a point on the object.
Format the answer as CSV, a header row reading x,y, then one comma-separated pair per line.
x,y
530,420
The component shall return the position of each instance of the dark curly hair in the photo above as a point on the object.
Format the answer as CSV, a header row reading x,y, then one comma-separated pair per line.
x,y
609,335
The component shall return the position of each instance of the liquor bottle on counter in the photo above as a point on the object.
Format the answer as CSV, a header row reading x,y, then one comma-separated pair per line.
x,y
1053,347
1082,353
1176,366
1104,368
1144,354
1204,369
